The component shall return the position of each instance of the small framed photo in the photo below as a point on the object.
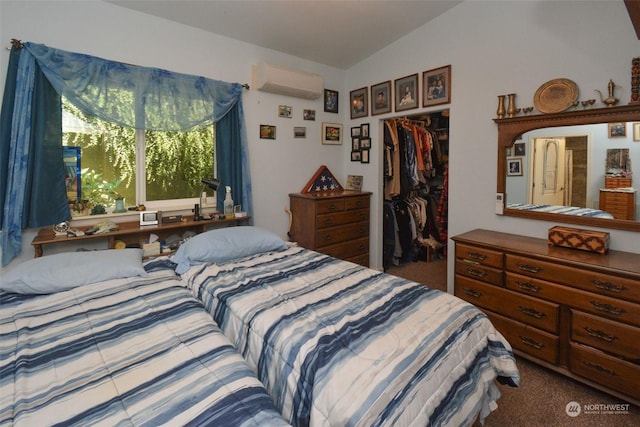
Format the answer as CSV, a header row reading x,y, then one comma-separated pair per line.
x,y
365,143
519,149
636,132
285,111
514,167
381,98
309,114
331,101
355,143
267,132
406,90
359,103
356,132
364,132
364,156
436,85
355,156
331,133
299,132
354,182
617,130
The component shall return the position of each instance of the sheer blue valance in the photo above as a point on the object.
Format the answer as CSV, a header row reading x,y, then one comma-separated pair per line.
x,y
135,96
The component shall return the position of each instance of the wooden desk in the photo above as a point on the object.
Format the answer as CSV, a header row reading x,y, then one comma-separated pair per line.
x,y
134,233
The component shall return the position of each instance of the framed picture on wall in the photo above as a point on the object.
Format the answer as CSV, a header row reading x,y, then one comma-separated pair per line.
x,y
267,132
436,85
519,149
381,98
359,103
330,101
406,91
331,133
636,132
514,167
617,130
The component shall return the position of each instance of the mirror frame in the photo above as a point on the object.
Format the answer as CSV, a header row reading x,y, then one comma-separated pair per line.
x,y
509,129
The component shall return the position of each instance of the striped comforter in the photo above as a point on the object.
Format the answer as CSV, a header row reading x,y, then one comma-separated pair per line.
x,y
564,210
137,351
342,345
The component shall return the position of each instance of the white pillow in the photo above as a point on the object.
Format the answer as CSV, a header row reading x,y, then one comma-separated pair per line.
x,y
226,244
60,272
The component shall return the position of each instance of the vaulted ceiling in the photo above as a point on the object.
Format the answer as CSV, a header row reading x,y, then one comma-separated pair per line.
x,y
331,32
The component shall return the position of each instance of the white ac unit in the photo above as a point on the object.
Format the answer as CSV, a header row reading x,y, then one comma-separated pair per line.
x,y
286,81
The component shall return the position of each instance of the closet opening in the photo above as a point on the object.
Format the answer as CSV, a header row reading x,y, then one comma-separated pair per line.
x,y
415,206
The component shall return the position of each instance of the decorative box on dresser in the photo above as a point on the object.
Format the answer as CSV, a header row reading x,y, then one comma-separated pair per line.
x,y
572,311
335,223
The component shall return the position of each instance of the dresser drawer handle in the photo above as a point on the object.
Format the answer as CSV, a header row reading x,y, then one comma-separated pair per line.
x,y
531,342
531,312
364,217
476,273
361,230
328,221
608,286
606,308
477,256
528,286
332,207
472,292
529,268
600,334
599,368
328,238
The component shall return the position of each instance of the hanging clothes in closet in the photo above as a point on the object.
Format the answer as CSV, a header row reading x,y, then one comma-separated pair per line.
x,y
414,211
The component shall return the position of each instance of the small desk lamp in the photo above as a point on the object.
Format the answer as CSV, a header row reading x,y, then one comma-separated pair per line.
x,y
213,184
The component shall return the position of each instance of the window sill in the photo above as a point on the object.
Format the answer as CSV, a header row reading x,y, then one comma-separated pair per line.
x,y
130,216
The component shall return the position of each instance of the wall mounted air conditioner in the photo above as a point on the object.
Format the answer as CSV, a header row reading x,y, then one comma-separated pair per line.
x,y
286,81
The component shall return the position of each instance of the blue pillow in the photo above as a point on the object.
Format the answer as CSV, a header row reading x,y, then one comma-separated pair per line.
x,y
226,244
60,272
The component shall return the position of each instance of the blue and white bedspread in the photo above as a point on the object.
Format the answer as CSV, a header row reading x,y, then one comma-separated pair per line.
x,y
337,344
137,351
565,210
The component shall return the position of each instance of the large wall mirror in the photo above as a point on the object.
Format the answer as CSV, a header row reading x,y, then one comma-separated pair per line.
x,y
552,167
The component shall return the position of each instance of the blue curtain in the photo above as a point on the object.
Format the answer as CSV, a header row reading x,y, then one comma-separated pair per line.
x,y
232,149
133,96
32,179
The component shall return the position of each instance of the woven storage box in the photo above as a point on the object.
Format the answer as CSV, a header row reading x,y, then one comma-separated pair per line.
x,y
575,238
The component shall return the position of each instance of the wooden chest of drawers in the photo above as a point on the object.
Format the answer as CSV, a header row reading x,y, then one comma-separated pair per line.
x,y
616,182
575,312
620,204
336,223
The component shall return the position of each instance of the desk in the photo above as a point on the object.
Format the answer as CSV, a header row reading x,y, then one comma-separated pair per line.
x,y
134,233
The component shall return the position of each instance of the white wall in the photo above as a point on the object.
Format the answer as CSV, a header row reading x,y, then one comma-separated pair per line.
x,y
494,48
278,167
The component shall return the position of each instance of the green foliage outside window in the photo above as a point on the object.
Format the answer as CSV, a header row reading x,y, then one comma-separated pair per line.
x,y
174,161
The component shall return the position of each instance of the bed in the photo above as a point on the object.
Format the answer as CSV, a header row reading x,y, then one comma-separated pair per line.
x,y
96,338
565,210
339,344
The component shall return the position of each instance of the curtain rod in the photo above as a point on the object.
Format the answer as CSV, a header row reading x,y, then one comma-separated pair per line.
x,y
19,45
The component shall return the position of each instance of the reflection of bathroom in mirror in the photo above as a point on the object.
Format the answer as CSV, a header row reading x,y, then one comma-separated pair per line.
x,y
565,168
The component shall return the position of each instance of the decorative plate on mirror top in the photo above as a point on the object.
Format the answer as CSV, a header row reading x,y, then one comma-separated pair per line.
x,y
555,96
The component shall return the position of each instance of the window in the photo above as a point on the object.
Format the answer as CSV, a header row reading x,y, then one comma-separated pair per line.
x,y
157,169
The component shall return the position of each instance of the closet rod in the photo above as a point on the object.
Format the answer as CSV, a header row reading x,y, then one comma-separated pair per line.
x,y
423,123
